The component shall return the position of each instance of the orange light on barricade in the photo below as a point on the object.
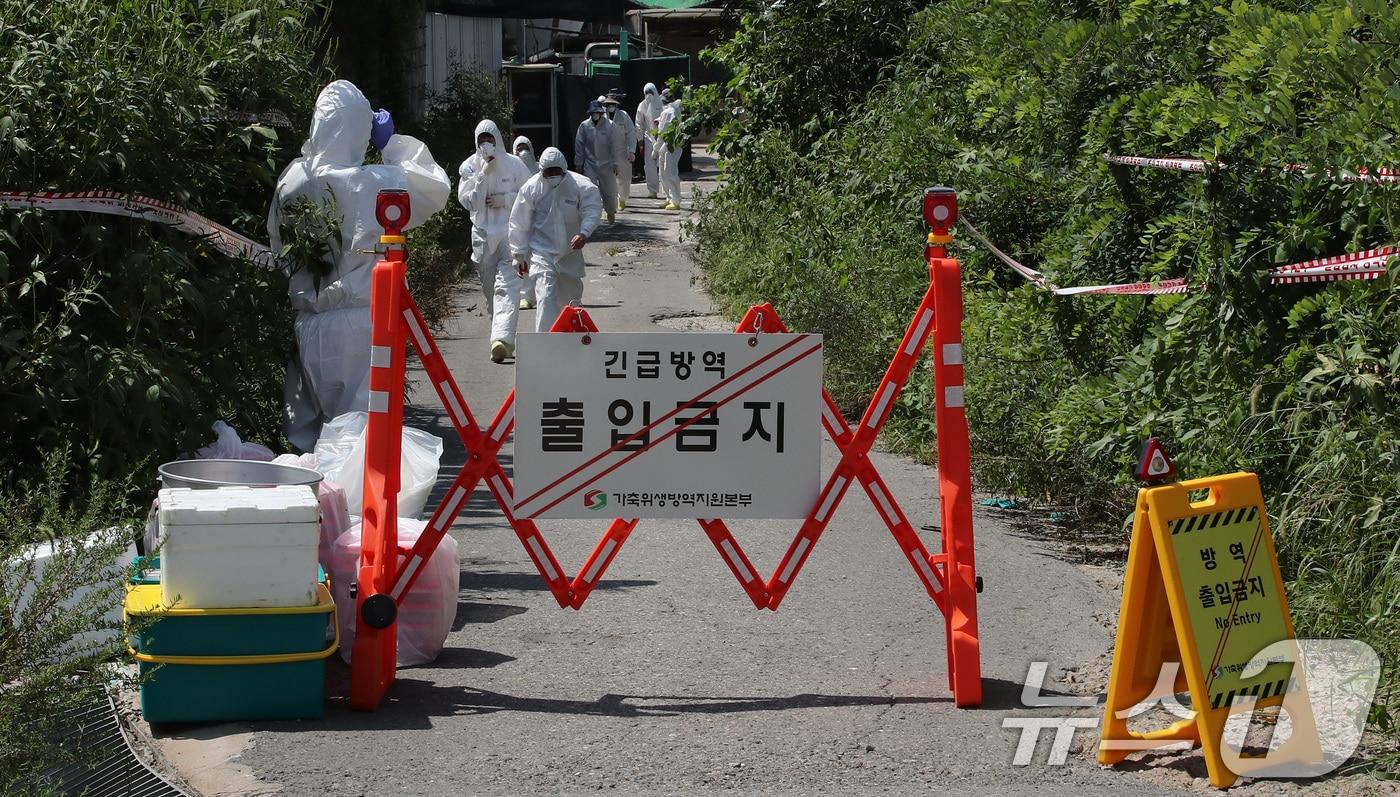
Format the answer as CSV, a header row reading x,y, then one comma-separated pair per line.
x,y
376,608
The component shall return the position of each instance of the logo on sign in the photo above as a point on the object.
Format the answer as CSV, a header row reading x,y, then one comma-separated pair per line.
x,y
595,499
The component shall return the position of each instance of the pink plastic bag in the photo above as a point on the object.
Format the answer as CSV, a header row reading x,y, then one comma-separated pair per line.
x,y
427,611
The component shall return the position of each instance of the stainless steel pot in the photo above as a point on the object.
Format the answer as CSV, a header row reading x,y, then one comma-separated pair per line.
x,y
211,473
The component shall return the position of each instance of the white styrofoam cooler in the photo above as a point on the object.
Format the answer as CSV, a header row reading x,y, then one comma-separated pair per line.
x,y
239,547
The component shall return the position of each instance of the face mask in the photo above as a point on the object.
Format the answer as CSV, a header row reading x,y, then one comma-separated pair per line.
x,y
486,149
611,113
554,181
596,117
520,153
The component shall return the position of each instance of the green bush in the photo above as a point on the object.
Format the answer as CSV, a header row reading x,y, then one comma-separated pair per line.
x,y
1013,104
57,638
123,339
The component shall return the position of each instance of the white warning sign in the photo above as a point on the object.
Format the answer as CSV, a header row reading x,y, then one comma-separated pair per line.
x,y
667,425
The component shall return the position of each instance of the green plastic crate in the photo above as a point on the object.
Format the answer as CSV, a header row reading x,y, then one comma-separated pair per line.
x,y
219,665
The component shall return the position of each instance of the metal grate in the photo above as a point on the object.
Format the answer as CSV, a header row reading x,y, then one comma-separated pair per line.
x,y
113,768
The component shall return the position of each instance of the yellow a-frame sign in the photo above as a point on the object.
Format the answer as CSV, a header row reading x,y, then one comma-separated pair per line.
x,y
1203,589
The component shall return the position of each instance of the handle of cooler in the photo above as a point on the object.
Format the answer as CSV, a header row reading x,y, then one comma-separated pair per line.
x,y
224,661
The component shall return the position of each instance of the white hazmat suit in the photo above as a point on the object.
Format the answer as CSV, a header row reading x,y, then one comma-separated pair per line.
x,y
487,187
669,157
525,151
330,375
597,148
527,155
547,215
623,166
648,113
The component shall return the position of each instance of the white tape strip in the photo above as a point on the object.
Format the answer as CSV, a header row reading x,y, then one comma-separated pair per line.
x,y
883,502
831,417
134,206
453,405
450,508
380,356
830,499
952,354
378,401
598,563
791,565
414,563
420,337
549,571
922,564
880,406
744,572
925,318
953,396
498,432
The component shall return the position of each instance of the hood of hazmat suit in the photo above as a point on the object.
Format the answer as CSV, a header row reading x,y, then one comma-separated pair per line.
x,y
487,188
331,376
529,157
649,110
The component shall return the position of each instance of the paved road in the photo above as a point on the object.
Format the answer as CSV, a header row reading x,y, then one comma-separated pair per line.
x,y
669,682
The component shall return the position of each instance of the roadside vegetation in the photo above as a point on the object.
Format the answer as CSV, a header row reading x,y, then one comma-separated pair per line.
x,y
825,157
121,340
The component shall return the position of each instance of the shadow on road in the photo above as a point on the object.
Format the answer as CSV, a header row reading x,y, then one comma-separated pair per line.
x,y
525,581
413,702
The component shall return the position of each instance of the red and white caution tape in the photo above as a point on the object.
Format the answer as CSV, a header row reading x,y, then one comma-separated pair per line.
x,y
269,118
1174,164
1368,265
1135,288
140,207
1158,288
1026,271
1362,175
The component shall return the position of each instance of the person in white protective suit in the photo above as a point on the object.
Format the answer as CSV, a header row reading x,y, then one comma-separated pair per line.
x,y
329,375
623,167
525,151
554,216
597,147
487,184
648,114
668,157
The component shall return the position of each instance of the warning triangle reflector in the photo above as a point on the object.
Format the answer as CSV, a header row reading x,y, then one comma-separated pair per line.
x,y
1154,464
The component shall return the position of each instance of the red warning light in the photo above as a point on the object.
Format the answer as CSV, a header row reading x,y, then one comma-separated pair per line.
x,y
391,209
1154,464
941,209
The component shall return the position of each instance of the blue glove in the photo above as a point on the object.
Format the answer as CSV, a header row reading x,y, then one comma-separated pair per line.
x,y
381,130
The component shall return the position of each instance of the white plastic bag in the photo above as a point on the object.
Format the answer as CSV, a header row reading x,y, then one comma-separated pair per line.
x,y
340,452
231,446
427,611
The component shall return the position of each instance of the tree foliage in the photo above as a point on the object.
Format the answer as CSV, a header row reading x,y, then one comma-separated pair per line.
x,y
1013,102
122,338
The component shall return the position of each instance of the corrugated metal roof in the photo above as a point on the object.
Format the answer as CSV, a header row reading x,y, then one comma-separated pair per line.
x,y
670,4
